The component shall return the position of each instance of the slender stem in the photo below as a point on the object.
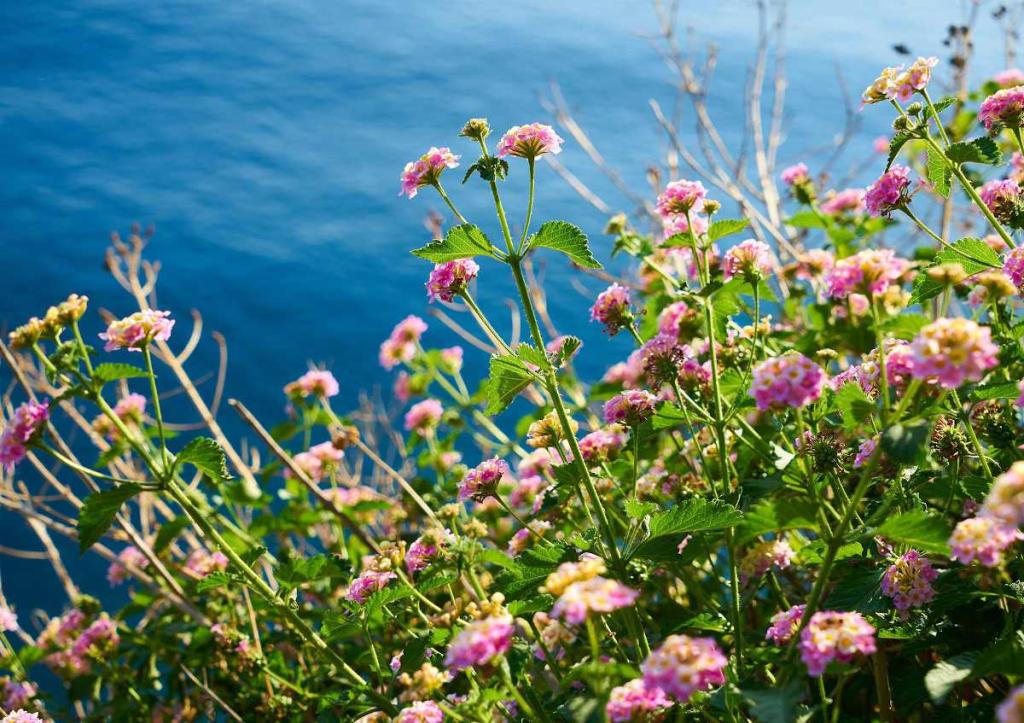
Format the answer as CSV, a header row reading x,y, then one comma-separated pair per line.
x,y
448,201
1019,138
485,324
165,469
883,372
971,433
935,115
924,227
81,346
529,205
517,517
881,672
80,468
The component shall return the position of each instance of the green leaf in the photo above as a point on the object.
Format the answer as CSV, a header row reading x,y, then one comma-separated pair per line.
x,y
905,326
726,227
570,345
215,579
205,455
919,530
939,106
813,553
690,515
509,376
294,572
805,219
568,239
112,372
980,150
906,443
461,242
776,515
854,405
99,510
1003,390
973,254
667,416
925,288
895,144
941,679
939,173
531,354
638,509
858,590
774,705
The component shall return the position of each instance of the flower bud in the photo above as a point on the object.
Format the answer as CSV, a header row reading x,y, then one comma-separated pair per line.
x,y
616,224
901,123
344,436
476,128
711,207
947,274
27,334
915,108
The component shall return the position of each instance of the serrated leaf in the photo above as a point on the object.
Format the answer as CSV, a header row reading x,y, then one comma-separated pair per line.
x,y
895,144
940,106
805,219
939,173
906,325
858,591
461,242
113,371
570,345
667,416
690,515
1004,390
638,509
531,354
973,254
205,455
774,705
941,679
980,150
776,515
925,288
215,579
509,376
295,572
854,405
919,530
726,227
906,443
566,238
99,510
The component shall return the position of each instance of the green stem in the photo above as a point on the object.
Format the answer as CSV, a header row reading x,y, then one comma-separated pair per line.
x,y
966,418
935,115
485,324
529,205
165,469
444,196
883,372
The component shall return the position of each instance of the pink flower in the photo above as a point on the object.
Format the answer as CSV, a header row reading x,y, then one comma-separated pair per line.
x,y
848,201
884,86
1009,77
425,548
98,640
400,347
890,192
678,320
482,481
314,461
1013,266
953,351
8,619
24,426
785,624
865,451
983,539
201,563
682,666
914,78
675,225
409,330
451,359
450,279
422,711
369,582
835,636
790,380
522,538
814,264
427,170
530,141
403,387
881,144
595,595
635,701
795,174
21,716
423,417
1003,199
681,198
908,581
1004,108
480,643
750,259
1005,500
1011,710
14,694
136,331
764,556
317,383
130,556
869,272
630,408
535,464
602,445
1020,399
612,308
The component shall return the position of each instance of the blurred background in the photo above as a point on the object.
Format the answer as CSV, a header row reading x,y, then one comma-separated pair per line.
x,y
264,141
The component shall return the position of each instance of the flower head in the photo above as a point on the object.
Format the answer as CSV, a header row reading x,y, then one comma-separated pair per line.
x,y
595,595
681,198
846,202
316,460
130,556
884,86
451,278
953,351
1003,109
784,625
480,643
914,78
318,383
795,174
750,259
764,556
984,539
369,582
890,192
482,481
835,636
682,666
908,581
136,331
630,408
1004,200
530,141
24,426
1011,710
635,702
870,272
21,716
790,380
602,445
400,346
586,568
423,417
865,451
612,308
1013,266
426,170
1005,500
201,563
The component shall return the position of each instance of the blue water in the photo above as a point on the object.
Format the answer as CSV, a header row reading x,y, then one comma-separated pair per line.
x,y
264,141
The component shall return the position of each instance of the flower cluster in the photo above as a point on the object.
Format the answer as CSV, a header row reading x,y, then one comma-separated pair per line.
x,y
682,666
635,701
953,351
136,331
908,581
480,643
889,193
426,171
764,556
482,481
423,417
530,141
451,278
612,308
594,595
790,380
982,539
870,273
631,408
24,426
835,636
1003,109
749,259
400,347
784,625
317,383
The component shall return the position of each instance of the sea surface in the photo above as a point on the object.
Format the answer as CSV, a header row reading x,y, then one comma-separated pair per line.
x,y
263,141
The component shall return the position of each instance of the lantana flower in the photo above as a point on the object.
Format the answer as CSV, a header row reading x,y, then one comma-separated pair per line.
x,y
908,581
482,481
750,259
423,417
982,539
790,380
451,278
595,595
682,666
635,701
889,193
426,170
1003,109
784,625
480,643
530,141
318,383
24,427
631,408
137,330
953,351
613,309
832,636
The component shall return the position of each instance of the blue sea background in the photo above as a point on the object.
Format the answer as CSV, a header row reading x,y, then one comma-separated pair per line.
x,y
264,140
